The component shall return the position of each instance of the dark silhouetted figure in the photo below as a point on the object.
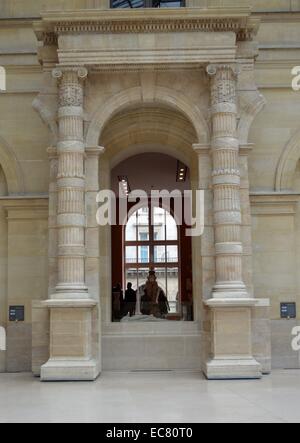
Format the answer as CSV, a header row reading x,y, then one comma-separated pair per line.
x,y
130,300
117,302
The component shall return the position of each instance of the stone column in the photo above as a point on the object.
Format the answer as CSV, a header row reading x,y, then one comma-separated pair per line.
x,y
71,307
71,186
230,305
52,221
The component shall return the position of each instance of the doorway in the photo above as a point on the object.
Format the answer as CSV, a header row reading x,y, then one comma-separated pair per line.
x,y
151,239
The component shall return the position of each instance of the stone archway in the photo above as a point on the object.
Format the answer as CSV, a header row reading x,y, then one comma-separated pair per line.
x,y
136,129
287,164
134,97
11,168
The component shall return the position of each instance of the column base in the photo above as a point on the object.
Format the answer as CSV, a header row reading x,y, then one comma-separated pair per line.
x,y
73,341
234,290
231,354
236,369
70,370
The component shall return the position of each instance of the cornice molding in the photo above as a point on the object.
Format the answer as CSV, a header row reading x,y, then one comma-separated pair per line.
x,y
17,22
278,17
274,203
149,26
26,207
165,21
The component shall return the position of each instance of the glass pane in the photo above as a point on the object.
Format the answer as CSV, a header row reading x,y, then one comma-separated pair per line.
x,y
147,3
130,234
172,230
143,276
167,3
173,289
144,254
131,254
161,279
159,224
159,254
172,254
143,234
132,277
143,224
128,3
143,217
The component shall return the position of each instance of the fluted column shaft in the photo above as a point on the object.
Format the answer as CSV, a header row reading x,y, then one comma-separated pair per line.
x,y
52,222
226,183
71,185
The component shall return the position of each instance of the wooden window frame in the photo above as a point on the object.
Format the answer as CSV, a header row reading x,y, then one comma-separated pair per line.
x,y
152,243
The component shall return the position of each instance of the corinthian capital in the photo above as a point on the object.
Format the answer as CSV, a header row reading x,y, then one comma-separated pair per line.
x,y
223,87
70,80
225,70
74,71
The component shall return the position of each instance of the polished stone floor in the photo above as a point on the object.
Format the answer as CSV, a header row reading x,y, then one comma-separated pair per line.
x,y
151,397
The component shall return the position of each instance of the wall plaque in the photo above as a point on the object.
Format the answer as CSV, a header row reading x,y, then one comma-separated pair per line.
x,y
16,313
288,310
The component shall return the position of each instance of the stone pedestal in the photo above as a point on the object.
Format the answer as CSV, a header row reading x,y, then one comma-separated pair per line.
x,y
232,340
71,343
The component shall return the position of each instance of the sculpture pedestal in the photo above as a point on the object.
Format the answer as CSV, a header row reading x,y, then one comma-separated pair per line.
x,y
71,342
222,369
141,318
231,347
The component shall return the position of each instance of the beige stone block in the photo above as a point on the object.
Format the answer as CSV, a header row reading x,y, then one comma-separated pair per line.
x,y
208,276
2,361
261,334
92,270
283,356
40,336
247,261
18,354
92,242
146,352
232,328
207,242
71,331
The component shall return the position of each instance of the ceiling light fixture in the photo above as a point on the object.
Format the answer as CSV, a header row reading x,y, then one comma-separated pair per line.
x,y
124,184
181,173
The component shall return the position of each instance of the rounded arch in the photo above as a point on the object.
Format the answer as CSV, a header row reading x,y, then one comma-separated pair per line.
x,y
136,149
250,108
141,205
134,96
149,129
11,168
3,183
287,164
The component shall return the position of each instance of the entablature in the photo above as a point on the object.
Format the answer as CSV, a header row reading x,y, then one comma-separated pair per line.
x,y
181,36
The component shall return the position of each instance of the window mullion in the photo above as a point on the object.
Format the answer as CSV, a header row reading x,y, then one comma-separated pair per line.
x,y
151,235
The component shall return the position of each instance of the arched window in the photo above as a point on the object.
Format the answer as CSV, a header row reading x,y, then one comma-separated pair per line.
x,y
3,183
152,242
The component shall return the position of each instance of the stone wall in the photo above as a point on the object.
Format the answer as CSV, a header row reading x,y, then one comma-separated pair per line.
x,y
24,139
